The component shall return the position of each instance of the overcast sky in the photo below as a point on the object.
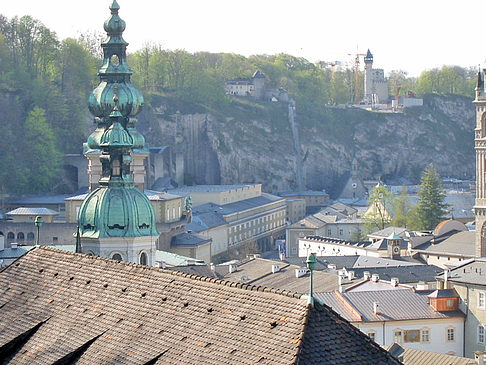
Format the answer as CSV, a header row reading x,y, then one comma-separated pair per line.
x,y
409,35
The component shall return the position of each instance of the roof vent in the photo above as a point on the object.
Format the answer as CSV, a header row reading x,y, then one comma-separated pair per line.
x,y
331,266
212,267
376,308
375,278
394,281
161,264
366,275
231,268
190,262
14,245
301,272
275,268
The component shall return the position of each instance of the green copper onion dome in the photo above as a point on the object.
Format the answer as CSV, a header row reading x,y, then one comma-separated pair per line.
x,y
117,208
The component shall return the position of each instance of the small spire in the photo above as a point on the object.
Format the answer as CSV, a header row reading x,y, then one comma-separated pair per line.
x,y
114,7
480,82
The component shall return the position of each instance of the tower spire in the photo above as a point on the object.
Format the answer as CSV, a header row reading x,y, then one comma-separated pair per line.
x,y
117,208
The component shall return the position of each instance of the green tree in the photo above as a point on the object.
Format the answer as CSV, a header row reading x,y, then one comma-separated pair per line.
x,y
430,208
401,208
38,166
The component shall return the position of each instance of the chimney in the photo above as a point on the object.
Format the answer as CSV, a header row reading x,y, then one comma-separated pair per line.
x,y
340,283
282,256
13,245
375,278
366,275
231,268
394,282
440,284
331,267
350,275
161,264
446,278
275,269
376,308
212,267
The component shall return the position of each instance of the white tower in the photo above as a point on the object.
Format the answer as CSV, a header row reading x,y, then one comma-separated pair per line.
x,y
368,78
480,147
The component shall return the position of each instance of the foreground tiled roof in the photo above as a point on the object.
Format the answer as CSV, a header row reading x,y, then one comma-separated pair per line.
x,y
60,307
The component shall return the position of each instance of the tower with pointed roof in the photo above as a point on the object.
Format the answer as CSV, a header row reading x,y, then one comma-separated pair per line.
x,y
116,220
480,148
375,85
368,77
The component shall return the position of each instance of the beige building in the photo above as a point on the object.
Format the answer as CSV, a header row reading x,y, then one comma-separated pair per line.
x,y
313,199
295,210
469,280
218,194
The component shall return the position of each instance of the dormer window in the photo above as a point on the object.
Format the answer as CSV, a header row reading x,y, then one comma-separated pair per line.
x,y
481,300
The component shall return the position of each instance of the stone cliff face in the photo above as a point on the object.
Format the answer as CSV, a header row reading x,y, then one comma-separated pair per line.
x,y
250,143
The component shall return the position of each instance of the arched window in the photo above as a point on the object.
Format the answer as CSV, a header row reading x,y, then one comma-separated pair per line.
x,y
20,236
117,257
10,236
143,258
30,236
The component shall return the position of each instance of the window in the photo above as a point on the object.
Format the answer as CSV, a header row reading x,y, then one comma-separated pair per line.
x,y
117,257
143,258
410,336
480,334
449,302
30,236
55,239
372,335
340,232
450,334
20,236
397,336
10,236
481,300
425,335
329,232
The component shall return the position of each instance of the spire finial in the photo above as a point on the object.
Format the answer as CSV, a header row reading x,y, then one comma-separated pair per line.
x,y
114,7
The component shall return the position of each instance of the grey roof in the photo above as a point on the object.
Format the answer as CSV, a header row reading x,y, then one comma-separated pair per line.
x,y
420,357
239,206
309,222
258,75
12,253
186,239
443,293
384,233
405,274
173,259
62,308
32,211
394,305
470,272
324,261
453,243
303,193
151,195
205,220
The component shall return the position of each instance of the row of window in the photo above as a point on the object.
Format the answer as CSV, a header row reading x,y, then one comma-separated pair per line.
x,y
173,216
21,236
423,335
142,258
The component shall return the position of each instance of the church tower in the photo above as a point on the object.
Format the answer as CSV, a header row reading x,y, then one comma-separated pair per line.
x,y
480,147
116,220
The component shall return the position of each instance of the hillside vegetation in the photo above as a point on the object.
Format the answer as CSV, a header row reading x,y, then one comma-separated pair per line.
x,y
45,82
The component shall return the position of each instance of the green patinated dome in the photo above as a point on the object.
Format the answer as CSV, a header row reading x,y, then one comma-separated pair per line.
x,y
130,100
117,211
117,208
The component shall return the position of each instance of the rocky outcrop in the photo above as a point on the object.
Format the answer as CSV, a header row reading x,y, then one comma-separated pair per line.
x,y
252,142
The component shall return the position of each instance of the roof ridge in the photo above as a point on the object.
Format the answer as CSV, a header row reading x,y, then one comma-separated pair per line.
x,y
223,282
347,304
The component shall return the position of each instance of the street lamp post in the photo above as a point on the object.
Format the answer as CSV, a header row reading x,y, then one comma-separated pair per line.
x,y
38,223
